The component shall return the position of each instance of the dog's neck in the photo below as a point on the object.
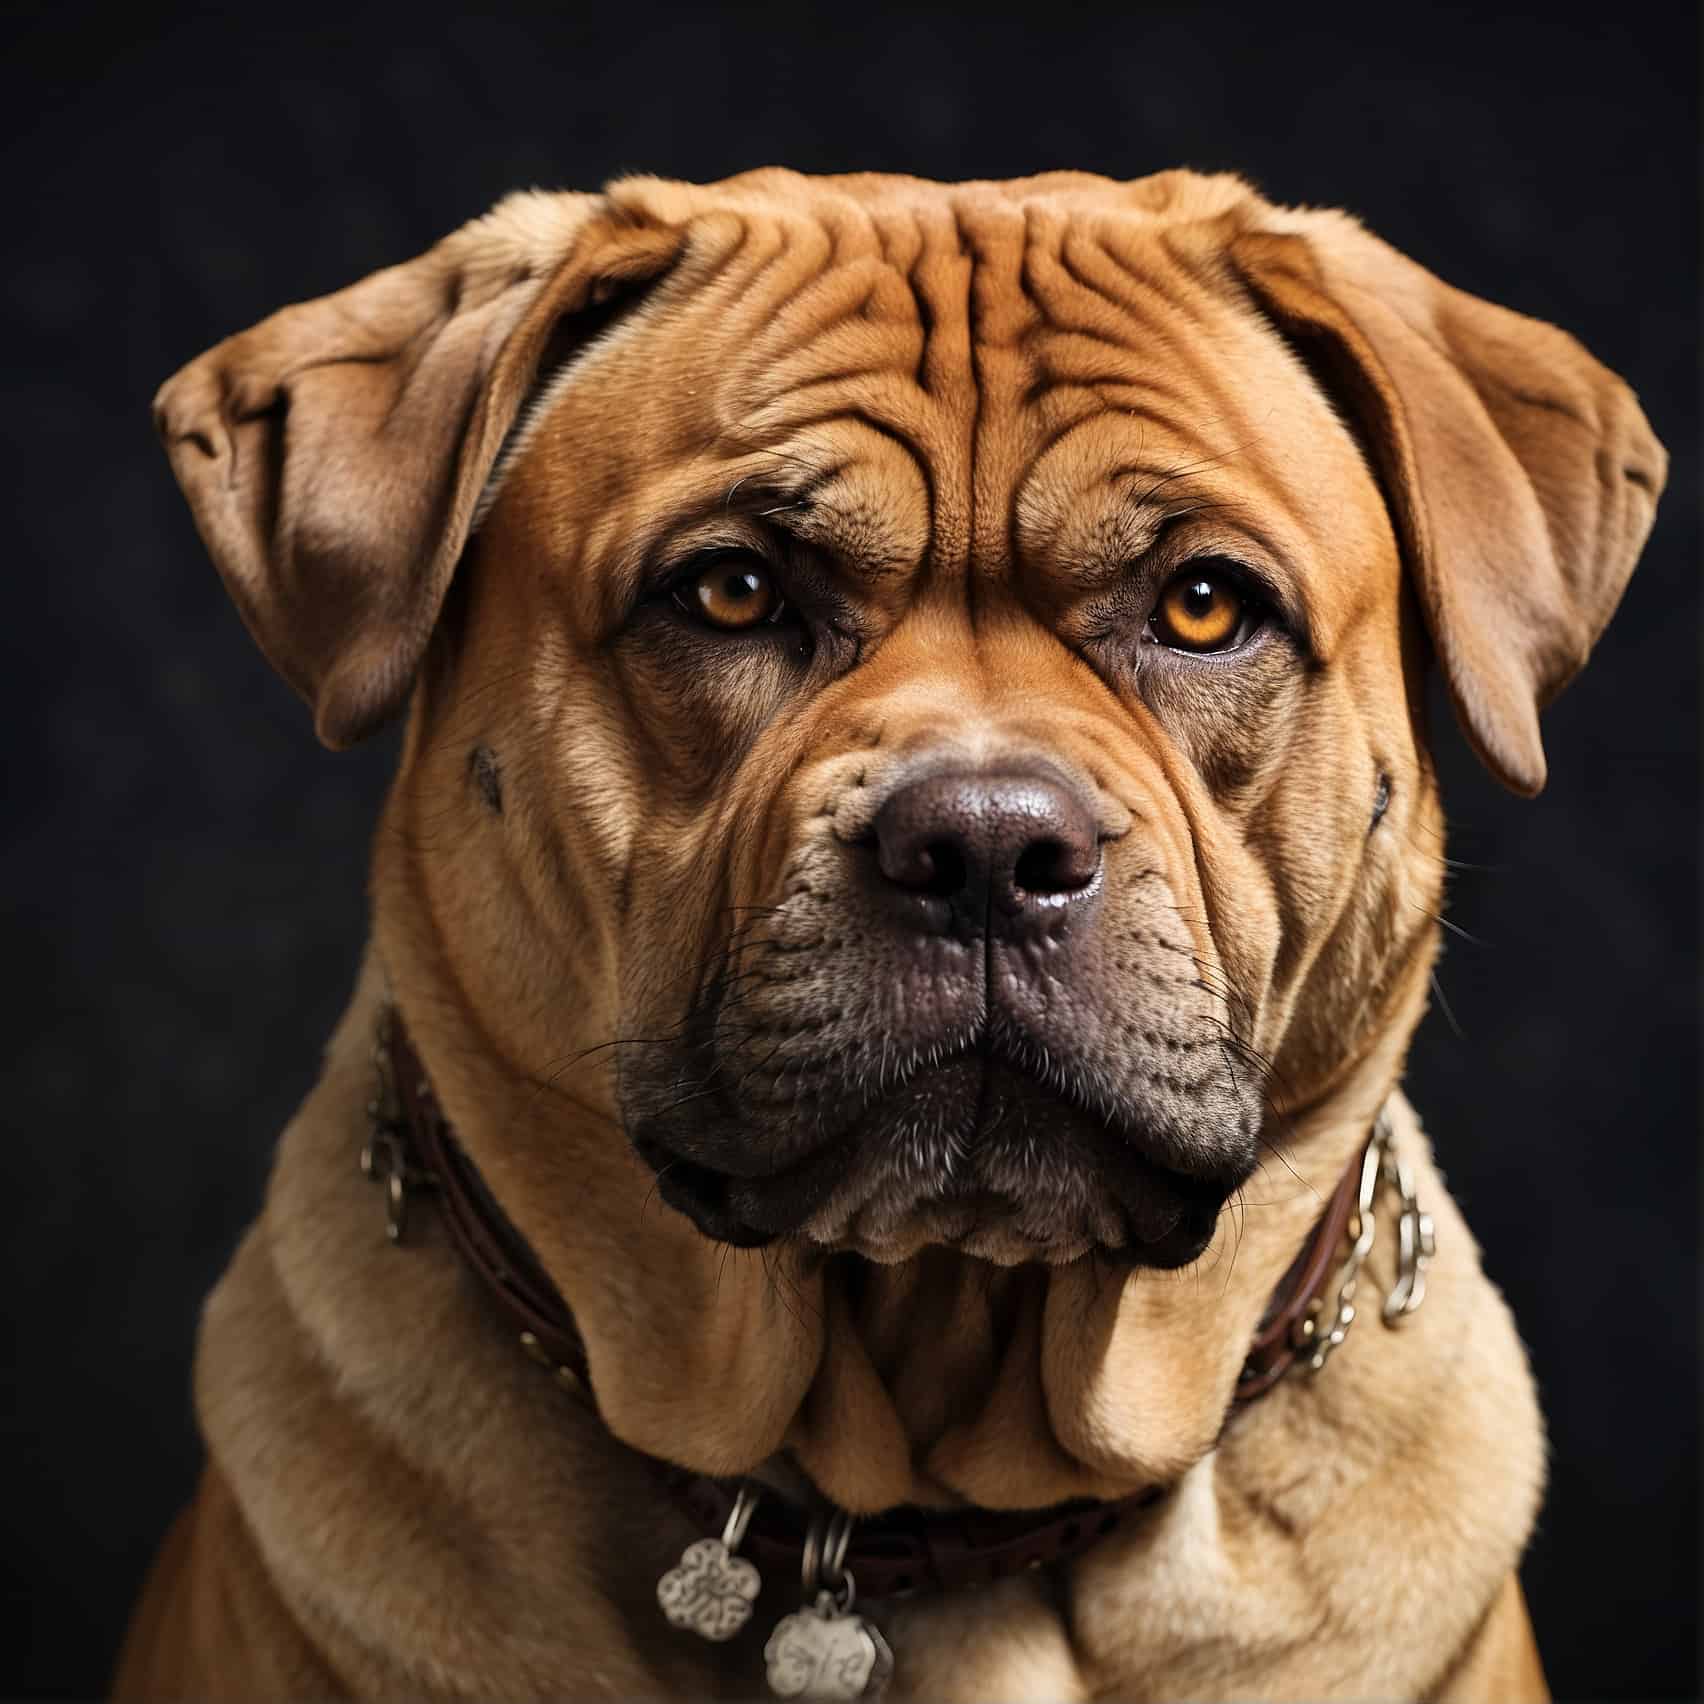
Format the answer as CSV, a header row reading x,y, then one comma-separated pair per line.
x,y
411,1417
937,1381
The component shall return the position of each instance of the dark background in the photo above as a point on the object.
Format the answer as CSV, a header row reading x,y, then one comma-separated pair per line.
x,y
183,867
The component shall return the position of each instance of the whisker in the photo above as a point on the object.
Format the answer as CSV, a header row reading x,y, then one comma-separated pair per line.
x,y
1454,928
1438,989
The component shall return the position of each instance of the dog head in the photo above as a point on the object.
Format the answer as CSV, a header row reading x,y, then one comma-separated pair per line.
x,y
918,689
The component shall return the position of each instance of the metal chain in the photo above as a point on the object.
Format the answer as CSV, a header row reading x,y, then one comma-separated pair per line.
x,y
1415,1243
1415,1247
384,1159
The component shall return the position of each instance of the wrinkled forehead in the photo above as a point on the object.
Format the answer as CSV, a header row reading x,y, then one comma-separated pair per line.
x,y
945,379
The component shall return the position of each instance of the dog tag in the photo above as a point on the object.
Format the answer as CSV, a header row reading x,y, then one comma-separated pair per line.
x,y
710,1590
821,1652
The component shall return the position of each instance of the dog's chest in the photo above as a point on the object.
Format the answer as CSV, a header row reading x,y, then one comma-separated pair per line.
x,y
1131,1619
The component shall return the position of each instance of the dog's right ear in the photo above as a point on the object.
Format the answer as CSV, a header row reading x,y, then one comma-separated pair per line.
x,y
334,454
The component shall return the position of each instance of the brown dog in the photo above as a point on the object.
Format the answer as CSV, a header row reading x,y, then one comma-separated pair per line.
x,y
914,868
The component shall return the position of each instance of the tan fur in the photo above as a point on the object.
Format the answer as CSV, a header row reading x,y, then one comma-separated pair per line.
x,y
965,374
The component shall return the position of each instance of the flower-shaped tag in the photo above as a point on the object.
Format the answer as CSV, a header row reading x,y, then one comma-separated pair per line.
x,y
710,1591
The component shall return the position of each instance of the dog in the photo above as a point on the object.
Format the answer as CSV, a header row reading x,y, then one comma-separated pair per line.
x,y
914,865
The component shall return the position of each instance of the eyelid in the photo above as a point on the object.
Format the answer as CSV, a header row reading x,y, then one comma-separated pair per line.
x,y
671,575
1244,578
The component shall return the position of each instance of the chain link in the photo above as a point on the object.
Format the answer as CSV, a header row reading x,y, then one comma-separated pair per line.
x,y
385,1158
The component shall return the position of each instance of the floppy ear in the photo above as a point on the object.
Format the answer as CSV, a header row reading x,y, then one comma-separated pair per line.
x,y
334,454
1521,476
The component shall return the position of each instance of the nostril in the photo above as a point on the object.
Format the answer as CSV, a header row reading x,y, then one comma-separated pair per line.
x,y
1053,866
941,869
934,866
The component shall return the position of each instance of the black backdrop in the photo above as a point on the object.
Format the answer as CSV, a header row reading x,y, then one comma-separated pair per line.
x,y
182,867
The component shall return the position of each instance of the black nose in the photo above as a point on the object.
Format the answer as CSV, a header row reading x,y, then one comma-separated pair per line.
x,y
987,849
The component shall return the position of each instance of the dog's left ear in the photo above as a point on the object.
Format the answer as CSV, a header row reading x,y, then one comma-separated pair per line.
x,y
334,454
1521,475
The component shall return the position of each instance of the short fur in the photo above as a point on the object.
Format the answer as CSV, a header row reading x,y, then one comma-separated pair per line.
x,y
991,418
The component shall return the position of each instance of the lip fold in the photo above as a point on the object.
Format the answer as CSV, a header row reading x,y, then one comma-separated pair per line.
x,y
940,1130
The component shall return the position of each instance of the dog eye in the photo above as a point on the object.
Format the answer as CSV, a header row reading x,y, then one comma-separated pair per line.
x,y
732,592
1203,608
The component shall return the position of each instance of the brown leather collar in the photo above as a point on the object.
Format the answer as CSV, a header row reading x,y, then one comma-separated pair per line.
x,y
890,1555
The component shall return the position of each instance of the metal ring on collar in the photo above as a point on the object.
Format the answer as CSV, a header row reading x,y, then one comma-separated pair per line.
x,y
822,1565
811,1556
834,1545
739,1517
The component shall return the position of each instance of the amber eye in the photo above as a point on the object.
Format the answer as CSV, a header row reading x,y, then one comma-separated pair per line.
x,y
1201,609
733,593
